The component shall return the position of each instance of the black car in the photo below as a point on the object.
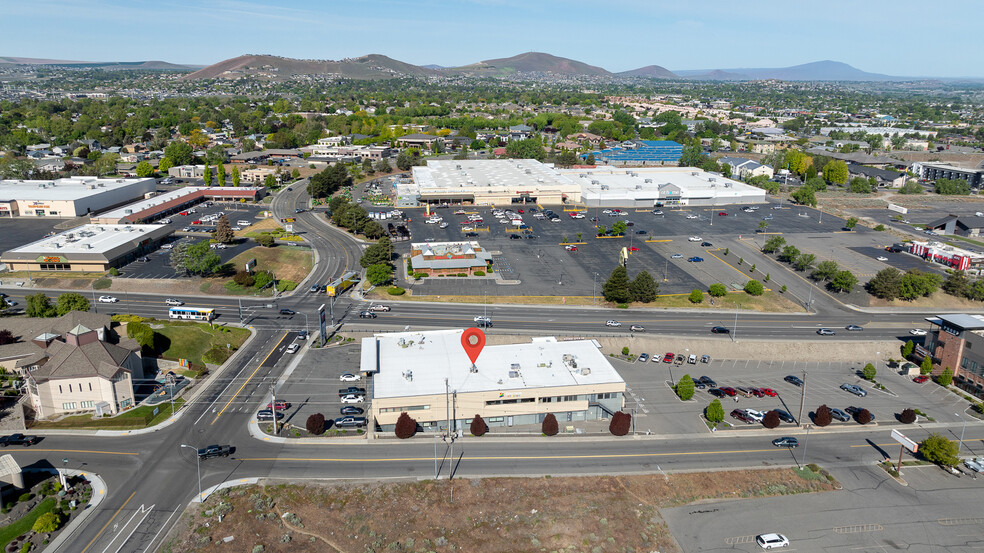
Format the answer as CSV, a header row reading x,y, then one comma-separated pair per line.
x,y
351,390
784,416
720,330
515,237
716,392
351,410
367,315
210,451
705,244
698,384
531,237
855,411
794,380
708,381
471,234
640,232
286,311
787,441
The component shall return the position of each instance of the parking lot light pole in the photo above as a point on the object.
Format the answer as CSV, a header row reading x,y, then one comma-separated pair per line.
x,y
734,332
199,462
960,446
307,329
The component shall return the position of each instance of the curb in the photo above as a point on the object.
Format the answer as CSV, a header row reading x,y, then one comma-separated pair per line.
x,y
99,492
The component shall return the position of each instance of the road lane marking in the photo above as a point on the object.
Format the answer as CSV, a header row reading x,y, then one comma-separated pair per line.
x,y
506,457
108,522
258,367
140,511
84,451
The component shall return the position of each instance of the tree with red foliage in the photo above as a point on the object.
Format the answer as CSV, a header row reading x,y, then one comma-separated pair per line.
x,y
621,424
907,416
549,426
315,424
406,426
6,337
822,417
864,416
478,426
771,420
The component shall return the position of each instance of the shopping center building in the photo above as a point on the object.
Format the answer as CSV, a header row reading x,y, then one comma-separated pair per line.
x,y
89,248
69,197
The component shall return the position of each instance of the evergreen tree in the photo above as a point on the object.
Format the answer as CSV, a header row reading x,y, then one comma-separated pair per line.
x,y
957,284
223,231
235,176
616,288
207,175
644,287
221,174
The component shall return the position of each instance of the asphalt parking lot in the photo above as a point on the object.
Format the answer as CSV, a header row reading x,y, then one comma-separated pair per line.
x,y
16,232
158,264
314,384
650,392
543,266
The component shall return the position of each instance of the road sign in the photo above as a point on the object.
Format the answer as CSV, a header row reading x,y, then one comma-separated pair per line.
x,y
289,228
323,327
906,442
250,265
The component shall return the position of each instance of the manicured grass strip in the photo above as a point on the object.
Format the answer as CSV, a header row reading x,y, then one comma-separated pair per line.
x,y
140,417
24,525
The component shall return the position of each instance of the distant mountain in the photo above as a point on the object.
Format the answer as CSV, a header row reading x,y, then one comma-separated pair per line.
x,y
372,66
433,66
816,71
651,72
108,65
538,62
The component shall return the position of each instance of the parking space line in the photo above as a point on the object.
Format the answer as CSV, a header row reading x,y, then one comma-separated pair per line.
x,y
858,528
737,540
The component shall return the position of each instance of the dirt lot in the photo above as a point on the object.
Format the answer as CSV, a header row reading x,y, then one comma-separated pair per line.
x,y
494,515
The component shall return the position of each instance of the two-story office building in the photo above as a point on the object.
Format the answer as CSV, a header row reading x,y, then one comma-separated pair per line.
x,y
956,341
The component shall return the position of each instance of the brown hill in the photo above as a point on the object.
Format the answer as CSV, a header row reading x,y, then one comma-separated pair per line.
x,y
372,66
650,72
535,62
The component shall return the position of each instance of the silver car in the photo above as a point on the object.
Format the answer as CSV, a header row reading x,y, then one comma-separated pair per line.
x,y
856,390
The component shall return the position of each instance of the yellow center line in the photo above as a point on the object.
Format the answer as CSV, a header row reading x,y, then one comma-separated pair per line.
x,y
226,406
84,451
509,457
103,529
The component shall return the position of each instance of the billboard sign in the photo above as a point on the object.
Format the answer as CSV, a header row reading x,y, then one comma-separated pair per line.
x,y
906,442
250,265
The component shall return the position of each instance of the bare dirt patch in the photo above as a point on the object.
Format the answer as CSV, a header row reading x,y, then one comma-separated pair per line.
x,y
493,515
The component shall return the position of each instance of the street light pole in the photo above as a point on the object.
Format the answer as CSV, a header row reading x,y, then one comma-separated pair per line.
x,y
198,461
95,306
806,443
735,331
960,447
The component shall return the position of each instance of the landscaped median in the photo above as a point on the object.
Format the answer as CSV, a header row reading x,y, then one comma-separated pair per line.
x,y
134,419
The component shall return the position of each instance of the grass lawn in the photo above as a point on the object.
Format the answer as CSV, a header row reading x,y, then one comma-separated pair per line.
x,y
139,417
291,263
24,525
199,343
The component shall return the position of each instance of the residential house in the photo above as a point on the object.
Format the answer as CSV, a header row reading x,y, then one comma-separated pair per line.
x,y
891,179
419,141
746,168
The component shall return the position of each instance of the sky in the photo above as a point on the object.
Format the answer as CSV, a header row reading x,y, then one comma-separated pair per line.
x,y
895,37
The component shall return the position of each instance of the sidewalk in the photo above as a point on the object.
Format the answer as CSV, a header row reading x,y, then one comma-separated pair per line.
x,y
99,493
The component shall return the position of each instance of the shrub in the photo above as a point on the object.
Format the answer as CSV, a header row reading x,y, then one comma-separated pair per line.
x,y
727,251
625,350
265,240
479,273
868,372
771,420
907,416
478,426
315,424
696,296
549,426
863,416
46,523
937,449
114,271
754,288
717,290
822,417
879,228
783,289
685,387
406,426
946,377
395,291
927,365
102,283
714,412
621,424
244,278
462,274
908,348
25,497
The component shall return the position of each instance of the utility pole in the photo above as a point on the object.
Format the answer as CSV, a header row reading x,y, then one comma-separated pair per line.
x,y
95,308
806,443
240,311
799,420
734,332
273,405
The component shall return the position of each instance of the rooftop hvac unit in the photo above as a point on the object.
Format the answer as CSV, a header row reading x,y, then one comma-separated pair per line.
x,y
87,246
595,182
694,173
529,172
638,187
585,371
103,185
513,374
628,172
649,181
711,179
539,180
604,187
583,175
473,369
457,166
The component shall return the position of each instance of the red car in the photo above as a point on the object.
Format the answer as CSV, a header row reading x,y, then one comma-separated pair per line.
x,y
520,211
633,249
730,391
281,405
723,214
183,213
668,358
756,392
742,416
920,379
768,391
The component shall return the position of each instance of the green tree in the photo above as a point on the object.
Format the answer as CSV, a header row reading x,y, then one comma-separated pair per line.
x,y
643,288
825,270
886,283
46,523
380,252
106,164
763,226
329,181
717,290
915,284
843,281
714,412
804,261
616,288
754,288
835,172
383,166
860,185
957,284
954,187
71,301
180,153
696,296
911,187
207,175
946,377
270,181
265,240
804,195
926,366
773,244
937,449
39,305
164,165
144,169
619,227
868,372
530,148
201,259
817,184
851,223
692,156
908,348
789,254
221,174
685,387
223,231
379,274
235,176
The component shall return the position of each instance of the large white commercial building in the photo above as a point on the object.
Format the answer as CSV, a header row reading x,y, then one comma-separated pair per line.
x,y
606,186
89,248
69,197
429,376
487,182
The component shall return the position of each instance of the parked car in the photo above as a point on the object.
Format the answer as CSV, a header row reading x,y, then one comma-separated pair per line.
x,y
570,248
784,416
786,441
742,416
351,410
755,415
698,384
679,359
854,389
351,390
352,398
794,380
744,391
920,379
709,381
837,414
705,358
722,213
349,377
854,411
731,392
716,392
706,244
267,415
668,357
643,357
293,348
350,422
768,392
976,465
720,330
692,359
695,239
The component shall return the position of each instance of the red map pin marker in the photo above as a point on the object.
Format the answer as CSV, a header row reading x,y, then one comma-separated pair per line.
x,y
473,340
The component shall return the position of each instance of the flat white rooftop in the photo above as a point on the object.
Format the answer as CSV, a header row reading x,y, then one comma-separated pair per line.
x,y
607,182
458,176
417,364
161,199
89,239
67,189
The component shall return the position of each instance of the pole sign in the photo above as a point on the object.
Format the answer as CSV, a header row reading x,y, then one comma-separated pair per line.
x,y
250,265
906,442
323,324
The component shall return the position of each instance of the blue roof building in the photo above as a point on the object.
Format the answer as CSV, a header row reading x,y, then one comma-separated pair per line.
x,y
640,152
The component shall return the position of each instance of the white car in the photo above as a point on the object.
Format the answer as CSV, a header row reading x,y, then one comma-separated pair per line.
x,y
293,348
444,225
467,229
976,465
612,322
172,301
165,221
881,258
108,299
756,416
695,239
481,319
349,377
677,256
692,216
917,332
769,541
352,398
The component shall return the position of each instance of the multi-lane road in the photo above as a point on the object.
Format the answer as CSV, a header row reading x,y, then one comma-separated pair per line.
x,y
151,477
